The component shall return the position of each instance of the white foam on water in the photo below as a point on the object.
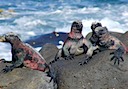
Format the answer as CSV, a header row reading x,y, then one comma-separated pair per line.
x,y
113,25
38,48
86,26
109,23
60,44
29,21
5,51
125,14
31,33
86,10
63,29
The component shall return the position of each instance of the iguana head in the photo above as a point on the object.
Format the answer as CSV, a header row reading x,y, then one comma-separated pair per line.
x,y
95,25
101,31
77,26
9,37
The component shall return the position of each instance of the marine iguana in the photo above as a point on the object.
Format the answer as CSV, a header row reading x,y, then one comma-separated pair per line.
x,y
76,44
94,39
24,55
102,38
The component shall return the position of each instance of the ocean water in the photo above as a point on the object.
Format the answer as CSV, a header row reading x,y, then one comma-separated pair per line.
x,y
30,18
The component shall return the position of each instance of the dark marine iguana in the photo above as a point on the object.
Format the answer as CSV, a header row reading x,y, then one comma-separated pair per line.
x,y
24,55
102,38
76,44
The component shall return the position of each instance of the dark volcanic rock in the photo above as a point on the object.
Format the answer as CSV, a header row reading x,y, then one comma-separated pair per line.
x,y
48,51
52,38
24,78
124,38
99,73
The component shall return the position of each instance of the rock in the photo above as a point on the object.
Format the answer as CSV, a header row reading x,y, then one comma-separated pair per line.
x,y
99,73
53,38
116,34
48,51
124,38
24,78
5,14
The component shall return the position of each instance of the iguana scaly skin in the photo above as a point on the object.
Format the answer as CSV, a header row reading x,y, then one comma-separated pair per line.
x,y
23,54
76,44
102,38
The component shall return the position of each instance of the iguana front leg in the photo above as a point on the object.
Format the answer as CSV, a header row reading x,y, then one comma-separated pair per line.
x,y
66,51
118,55
89,52
20,55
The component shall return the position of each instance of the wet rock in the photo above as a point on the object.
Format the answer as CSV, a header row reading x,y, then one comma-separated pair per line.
x,y
24,78
53,38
